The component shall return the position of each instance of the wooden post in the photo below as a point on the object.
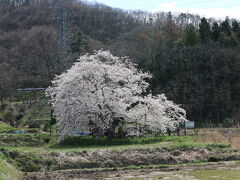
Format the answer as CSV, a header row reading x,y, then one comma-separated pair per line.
x,y
35,95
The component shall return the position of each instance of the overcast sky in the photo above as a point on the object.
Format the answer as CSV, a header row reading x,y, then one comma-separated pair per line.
x,y
208,8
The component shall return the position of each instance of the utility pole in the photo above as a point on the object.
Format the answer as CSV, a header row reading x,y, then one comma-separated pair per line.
x,y
63,32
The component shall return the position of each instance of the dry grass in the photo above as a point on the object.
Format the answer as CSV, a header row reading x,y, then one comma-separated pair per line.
x,y
220,136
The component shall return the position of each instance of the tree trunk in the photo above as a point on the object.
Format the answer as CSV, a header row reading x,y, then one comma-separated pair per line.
x,y
111,131
2,103
110,134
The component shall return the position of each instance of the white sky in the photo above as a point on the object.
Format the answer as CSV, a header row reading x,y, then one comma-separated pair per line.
x,y
208,8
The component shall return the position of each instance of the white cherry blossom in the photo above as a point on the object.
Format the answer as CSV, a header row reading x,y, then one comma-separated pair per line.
x,y
102,94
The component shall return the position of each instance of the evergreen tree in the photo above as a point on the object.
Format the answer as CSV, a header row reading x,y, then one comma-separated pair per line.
x,y
236,29
229,35
225,27
215,31
235,26
79,43
204,30
191,36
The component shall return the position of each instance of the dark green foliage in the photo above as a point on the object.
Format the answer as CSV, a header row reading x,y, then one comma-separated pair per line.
x,y
53,119
220,157
104,141
215,34
202,78
29,162
236,29
204,30
229,41
191,36
226,27
79,43
235,26
215,158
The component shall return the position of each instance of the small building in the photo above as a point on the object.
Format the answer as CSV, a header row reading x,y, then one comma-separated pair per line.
x,y
189,125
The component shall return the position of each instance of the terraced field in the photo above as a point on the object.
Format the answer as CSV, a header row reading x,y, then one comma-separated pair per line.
x,y
35,155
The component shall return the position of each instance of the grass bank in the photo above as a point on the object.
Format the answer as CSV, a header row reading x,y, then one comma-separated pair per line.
x,y
7,171
78,141
157,155
29,139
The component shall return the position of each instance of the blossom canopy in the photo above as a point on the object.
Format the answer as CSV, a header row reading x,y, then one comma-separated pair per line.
x,y
102,94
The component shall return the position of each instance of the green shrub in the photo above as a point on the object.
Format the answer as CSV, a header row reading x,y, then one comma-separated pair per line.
x,y
211,146
214,158
85,141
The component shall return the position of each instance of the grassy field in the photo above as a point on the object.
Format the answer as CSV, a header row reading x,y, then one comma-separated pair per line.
x,y
217,174
36,152
101,155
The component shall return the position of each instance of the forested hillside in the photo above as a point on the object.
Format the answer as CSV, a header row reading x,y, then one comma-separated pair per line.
x,y
195,61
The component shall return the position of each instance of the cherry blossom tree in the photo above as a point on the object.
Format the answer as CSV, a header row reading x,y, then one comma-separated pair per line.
x,y
103,95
